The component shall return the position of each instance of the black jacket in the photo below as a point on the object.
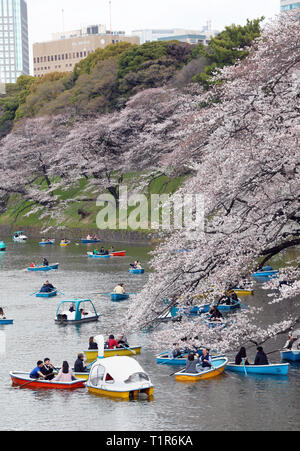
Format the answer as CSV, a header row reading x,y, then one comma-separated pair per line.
x,y
79,366
261,359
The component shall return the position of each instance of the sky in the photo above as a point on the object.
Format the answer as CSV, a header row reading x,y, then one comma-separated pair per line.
x,y
45,16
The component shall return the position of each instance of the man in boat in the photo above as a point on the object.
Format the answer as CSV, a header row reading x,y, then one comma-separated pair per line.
x,y
92,344
112,343
215,314
123,341
47,287
95,252
261,358
205,359
45,262
47,370
120,289
102,251
36,373
78,365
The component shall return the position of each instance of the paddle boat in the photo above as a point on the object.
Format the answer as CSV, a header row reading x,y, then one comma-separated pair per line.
x,y
6,322
290,354
47,243
19,237
50,294
91,355
86,241
64,243
136,271
217,368
76,311
2,246
116,297
118,254
20,379
280,369
91,255
118,377
43,268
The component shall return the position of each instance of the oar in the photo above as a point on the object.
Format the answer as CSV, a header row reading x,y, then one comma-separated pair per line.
x,y
272,352
27,383
246,374
34,293
60,292
90,365
128,349
178,371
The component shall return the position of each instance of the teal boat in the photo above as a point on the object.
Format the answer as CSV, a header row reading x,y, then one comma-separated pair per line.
x,y
6,322
91,255
136,271
2,246
280,369
43,268
115,297
50,294
76,311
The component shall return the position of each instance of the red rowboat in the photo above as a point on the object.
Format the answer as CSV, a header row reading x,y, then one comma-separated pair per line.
x,y
20,379
118,254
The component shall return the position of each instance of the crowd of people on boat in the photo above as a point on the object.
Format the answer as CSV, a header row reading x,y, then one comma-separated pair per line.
x,y
103,251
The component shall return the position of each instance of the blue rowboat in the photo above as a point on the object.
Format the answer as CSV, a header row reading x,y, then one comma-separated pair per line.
x,y
166,358
83,241
195,311
47,243
293,355
265,273
136,271
229,308
2,246
91,255
5,322
213,324
44,268
115,297
50,294
280,369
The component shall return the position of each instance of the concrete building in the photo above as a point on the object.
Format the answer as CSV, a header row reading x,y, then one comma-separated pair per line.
x,y
169,34
286,5
14,46
68,48
189,38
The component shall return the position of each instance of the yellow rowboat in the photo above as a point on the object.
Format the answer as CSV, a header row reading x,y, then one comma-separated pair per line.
x,y
242,292
118,377
62,244
92,355
217,368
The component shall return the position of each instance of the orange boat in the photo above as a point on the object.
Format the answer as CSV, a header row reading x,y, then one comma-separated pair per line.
x,y
118,254
20,379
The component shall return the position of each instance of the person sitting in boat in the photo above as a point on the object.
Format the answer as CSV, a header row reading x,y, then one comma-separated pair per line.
x,y
261,358
45,262
47,369
65,374
49,239
47,287
83,313
64,241
205,359
215,314
112,343
96,237
96,252
89,238
92,344
123,341
120,289
111,250
78,365
32,265
72,308
43,240
102,251
36,373
2,316
192,362
177,352
241,356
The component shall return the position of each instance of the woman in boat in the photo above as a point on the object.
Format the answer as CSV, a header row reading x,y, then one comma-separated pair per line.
x,y
112,343
36,373
261,358
242,354
78,365
47,369
92,344
96,237
2,316
89,238
123,341
192,362
65,374
120,289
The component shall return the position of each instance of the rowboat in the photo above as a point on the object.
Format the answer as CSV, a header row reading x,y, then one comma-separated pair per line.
x,y
6,322
118,377
115,297
265,273
65,244
195,311
118,254
213,324
218,367
91,255
73,314
91,355
136,271
83,376
47,243
23,379
44,268
293,355
50,294
167,358
243,292
19,237
84,241
235,305
2,246
280,369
